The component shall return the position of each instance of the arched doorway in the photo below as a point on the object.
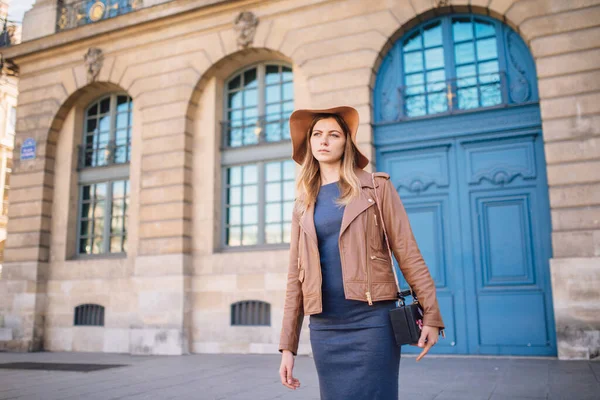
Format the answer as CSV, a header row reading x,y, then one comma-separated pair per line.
x,y
457,125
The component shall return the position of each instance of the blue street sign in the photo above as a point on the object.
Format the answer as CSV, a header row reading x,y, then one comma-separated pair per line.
x,y
28,149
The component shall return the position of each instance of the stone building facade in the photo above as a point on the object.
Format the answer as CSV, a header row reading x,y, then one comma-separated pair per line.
x,y
133,236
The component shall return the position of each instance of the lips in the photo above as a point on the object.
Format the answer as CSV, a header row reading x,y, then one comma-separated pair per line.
x,y
323,151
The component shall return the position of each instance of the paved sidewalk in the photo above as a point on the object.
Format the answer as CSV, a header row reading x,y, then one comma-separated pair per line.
x,y
255,377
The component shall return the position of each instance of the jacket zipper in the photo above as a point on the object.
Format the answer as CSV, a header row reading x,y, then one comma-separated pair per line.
x,y
368,293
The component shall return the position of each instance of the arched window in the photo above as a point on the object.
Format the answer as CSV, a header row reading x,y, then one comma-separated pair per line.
x,y
258,174
104,176
454,64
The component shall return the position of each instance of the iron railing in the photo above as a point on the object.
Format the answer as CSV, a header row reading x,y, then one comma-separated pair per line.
x,y
253,131
449,96
83,12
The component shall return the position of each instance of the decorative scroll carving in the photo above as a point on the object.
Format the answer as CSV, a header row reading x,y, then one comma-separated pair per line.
x,y
245,26
519,87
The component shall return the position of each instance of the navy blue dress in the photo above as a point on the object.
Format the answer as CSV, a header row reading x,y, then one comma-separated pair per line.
x,y
353,343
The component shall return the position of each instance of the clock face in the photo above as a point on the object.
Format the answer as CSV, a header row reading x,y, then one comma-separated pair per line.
x,y
96,11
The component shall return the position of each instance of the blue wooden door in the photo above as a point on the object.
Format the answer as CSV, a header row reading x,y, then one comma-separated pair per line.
x,y
457,126
478,206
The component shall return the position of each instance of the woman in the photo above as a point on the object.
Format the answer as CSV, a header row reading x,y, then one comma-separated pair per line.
x,y
339,269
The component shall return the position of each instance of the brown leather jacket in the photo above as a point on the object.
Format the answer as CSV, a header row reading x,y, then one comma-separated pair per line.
x,y
366,269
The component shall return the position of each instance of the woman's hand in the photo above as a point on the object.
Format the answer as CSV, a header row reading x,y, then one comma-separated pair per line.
x,y
429,337
285,371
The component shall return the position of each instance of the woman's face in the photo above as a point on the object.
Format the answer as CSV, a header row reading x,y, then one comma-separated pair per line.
x,y
327,141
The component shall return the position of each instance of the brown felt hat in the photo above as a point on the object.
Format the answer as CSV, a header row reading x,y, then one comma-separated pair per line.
x,y
300,121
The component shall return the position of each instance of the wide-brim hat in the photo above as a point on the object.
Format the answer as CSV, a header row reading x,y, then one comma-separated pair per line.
x,y
300,121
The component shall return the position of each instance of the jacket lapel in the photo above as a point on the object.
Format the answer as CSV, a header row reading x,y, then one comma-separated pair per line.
x,y
307,222
351,211
355,208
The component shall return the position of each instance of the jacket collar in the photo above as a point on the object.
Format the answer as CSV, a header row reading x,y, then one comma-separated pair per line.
x,y
351,211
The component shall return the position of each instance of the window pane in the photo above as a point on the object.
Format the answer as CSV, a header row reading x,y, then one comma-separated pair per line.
x,y
122,120
287,232
250,98
486,49
467,98
93,110
273,192
413,62
289,170
250,215
434,58
250,194
289,190
273,233
464,53
466,71
235,83
273,171
414,84
488,72
105,124
415,106
462,29
273,94
105,106
288,91
490,95
92,124
235,100
273,213
250,78
234,236
272,74
84,246
234,216
98,245
115,244
85,228
436,80
86,209
99,209
235,175
250,235
286,74
100,193
250,174
413,42
235,196
122,103
483,29
98,227
437,102
433,35
116,226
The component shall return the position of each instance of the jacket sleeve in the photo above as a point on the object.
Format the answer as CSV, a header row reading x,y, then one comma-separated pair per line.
x,y
407,253
293,309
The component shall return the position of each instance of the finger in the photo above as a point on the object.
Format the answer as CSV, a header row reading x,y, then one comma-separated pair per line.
x,y
425,351
283,376
290,378
422,339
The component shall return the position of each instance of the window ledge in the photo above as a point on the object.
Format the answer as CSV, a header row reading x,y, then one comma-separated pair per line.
x,y
107,256
259,247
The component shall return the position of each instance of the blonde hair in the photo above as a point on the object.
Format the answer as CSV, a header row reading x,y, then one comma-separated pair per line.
x,y
309,180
